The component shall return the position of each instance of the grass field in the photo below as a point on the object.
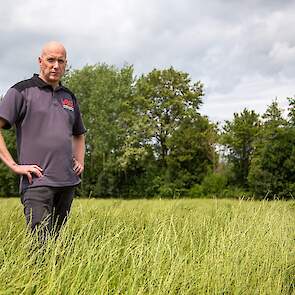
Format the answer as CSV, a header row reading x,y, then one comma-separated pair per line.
x,y
154,247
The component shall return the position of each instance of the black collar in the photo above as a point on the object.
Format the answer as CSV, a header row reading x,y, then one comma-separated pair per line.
x,y
42,84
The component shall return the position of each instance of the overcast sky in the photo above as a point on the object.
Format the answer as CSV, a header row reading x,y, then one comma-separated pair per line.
x,y
243,51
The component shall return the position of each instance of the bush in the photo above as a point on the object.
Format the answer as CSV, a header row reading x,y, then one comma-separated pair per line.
x,y
212,185
216,185
196,191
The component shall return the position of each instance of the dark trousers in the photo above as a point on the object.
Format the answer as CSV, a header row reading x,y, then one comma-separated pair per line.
x,y
47,208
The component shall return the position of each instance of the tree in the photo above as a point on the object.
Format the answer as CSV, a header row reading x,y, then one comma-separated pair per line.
x,y
273,117
169,130
291,111
238,138
272,170
192,151
163,100
102,90
145,136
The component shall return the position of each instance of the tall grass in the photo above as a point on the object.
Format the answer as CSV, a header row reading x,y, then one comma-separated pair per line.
x,y
154,247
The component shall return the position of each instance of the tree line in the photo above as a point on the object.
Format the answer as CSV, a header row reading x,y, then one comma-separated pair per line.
x,y
147,138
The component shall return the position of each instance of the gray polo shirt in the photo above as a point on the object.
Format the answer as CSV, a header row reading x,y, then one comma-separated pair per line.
x,y
45,121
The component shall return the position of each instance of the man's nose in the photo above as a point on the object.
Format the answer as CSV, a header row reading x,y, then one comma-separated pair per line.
x,y
55,64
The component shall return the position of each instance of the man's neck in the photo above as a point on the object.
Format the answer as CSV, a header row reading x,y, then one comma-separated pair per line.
x,y
53,85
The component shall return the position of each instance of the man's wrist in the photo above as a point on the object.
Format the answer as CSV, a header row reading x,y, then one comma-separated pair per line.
x,y
79,161
13,165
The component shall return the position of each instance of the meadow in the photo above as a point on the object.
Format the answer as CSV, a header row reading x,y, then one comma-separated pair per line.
x,y
201,246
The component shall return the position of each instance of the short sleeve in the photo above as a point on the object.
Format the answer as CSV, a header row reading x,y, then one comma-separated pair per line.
x,y
78,127
12,107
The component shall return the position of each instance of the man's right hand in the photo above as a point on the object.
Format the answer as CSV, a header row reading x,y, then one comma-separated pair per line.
x,y
27,170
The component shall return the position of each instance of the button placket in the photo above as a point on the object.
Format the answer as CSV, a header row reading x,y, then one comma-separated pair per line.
x,y
55,99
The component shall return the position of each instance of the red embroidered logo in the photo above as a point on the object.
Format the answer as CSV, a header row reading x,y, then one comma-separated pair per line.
x,y
68,104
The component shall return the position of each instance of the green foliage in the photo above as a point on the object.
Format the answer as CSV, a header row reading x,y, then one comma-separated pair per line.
x,y
273,117
216,185
9,183
192,151
102,91
146,137
291,111
169,128
238,137
163,100
211,186
272,171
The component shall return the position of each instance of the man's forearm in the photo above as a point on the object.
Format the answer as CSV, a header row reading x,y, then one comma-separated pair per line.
x,y
7,159
78,153
79,148
5,154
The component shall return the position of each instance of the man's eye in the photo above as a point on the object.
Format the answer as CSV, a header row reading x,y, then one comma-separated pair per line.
x,y
61,61
50,60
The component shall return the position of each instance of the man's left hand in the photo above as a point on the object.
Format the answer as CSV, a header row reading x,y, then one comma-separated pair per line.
x,y
77,167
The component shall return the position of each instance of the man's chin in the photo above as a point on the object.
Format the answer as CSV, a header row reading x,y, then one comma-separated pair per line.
x,y
54,78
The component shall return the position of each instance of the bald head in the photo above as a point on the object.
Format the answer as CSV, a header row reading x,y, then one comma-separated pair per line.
x,y
53,46
52,61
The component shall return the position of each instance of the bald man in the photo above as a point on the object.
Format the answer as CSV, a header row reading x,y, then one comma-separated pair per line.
x,y
50,141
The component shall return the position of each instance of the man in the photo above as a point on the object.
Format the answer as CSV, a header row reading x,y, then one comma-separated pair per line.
x,y
50,140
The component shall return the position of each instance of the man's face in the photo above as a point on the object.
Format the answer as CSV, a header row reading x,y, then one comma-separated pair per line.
x,y
52,65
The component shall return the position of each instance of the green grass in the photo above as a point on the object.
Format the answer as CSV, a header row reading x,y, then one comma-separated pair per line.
x,y
154,247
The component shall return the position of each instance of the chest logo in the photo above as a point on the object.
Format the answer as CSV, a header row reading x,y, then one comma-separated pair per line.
x,y
67,104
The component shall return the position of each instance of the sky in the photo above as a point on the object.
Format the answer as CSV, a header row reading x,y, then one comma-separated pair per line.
x,y
242,51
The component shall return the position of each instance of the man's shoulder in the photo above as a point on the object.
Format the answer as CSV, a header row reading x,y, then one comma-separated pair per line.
x,y
24,84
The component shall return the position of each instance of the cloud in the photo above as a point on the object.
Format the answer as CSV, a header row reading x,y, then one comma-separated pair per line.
x,y
253,92
241,50
282,53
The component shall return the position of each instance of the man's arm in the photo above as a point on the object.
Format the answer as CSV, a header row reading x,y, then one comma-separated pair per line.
x,y
7,159
79,153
